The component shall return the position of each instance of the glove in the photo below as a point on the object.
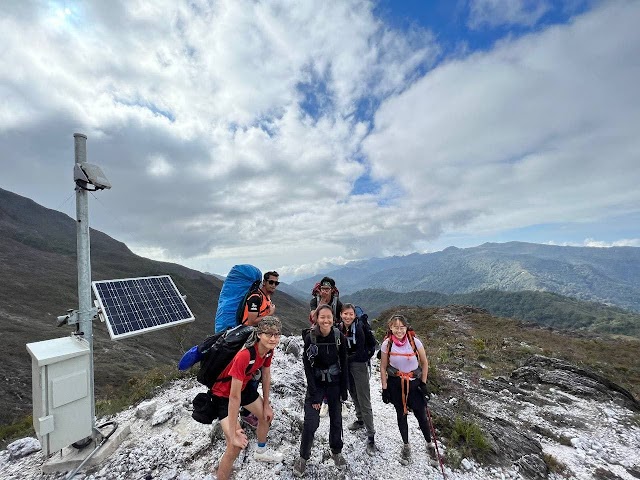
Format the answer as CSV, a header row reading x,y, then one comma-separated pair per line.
x,y
386,398
424,390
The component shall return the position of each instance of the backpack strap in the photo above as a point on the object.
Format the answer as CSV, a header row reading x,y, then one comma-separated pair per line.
x,y
412,342
252,361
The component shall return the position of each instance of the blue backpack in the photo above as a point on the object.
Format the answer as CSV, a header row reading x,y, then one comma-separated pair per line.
x,y
241,281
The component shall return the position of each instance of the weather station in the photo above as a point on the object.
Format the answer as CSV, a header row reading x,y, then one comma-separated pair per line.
x,y
62,369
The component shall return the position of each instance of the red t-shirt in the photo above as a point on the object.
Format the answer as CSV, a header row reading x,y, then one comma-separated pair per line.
x,y
236,369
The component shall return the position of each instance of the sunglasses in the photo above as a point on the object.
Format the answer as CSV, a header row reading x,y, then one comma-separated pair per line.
x,y
273,282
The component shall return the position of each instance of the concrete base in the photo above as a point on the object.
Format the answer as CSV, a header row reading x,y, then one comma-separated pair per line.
x,y
70,458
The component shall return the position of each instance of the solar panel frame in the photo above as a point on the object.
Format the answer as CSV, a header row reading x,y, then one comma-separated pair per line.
x,y
133,306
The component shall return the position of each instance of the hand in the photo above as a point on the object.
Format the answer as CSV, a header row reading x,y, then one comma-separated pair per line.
x,y
267,412
272,309
239,439
386,398
316,406
424,390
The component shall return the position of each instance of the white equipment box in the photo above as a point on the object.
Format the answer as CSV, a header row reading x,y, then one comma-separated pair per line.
x,y
61,397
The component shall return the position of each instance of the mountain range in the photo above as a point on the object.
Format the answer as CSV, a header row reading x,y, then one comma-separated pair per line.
x,y
38,278
604,275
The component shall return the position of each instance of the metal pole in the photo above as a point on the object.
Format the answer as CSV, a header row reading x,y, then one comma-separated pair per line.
x,y
83,246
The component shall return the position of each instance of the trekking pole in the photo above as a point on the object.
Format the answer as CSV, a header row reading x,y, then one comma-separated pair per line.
x,y
435,441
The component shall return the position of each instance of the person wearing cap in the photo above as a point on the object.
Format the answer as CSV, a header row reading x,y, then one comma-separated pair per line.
x,y
228,396
326,293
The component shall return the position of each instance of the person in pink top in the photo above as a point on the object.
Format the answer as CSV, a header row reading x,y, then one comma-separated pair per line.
x,y
404,369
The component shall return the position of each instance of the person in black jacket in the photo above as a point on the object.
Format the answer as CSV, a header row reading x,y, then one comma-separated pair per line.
x,y
326,369
358,358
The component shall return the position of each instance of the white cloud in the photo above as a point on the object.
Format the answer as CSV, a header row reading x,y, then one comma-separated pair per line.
x,y
195,111
590,242
539,130
494,13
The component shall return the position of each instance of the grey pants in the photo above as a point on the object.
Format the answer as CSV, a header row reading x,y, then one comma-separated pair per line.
x,y
361,395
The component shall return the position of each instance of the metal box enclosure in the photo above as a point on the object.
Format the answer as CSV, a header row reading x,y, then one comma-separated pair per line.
x,y
61,396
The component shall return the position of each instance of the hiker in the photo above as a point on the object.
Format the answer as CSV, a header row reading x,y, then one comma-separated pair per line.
x,y
326,370
358,359
326,293
259,304
231,390
256,307
403,373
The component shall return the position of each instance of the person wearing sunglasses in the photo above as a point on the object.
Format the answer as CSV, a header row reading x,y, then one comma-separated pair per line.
x,y
326,370
259,305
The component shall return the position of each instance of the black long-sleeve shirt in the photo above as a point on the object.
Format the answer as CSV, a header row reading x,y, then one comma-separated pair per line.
x,y
328,354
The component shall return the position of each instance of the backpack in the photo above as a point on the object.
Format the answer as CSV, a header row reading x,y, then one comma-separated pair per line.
x,y
411,335
313,336
335,295
370,342
241,282
217,352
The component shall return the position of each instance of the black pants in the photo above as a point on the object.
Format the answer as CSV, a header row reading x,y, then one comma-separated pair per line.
x,y
312,420
415,401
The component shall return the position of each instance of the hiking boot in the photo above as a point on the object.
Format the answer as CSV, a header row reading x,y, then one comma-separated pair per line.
x,y
431,453
345,410
338,459
357,425
405,454
324,410
371,447
268,455
299,466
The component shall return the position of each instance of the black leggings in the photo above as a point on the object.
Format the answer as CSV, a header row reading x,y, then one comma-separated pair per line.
x,y
415,402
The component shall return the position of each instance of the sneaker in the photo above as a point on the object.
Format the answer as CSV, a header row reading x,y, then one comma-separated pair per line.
x,y
345,410
268,455
299,466
357,425
250,420
431,453
371,447
324,410
338,459
405,454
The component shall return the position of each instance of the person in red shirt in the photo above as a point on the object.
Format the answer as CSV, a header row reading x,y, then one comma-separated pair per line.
x,y
230,391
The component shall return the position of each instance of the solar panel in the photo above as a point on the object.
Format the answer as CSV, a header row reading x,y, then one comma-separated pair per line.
x,y
132,306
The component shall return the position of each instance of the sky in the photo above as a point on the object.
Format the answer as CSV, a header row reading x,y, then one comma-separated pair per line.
x,y
296,135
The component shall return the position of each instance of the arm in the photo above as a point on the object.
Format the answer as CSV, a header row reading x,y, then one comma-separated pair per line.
x,y
384,363
344,367
424,364
238,439
308,370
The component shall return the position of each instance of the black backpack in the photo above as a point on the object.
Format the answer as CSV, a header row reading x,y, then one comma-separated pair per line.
x,y
313,337
218,350
370,342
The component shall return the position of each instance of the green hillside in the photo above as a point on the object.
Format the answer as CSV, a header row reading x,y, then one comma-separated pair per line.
x,y
543,308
